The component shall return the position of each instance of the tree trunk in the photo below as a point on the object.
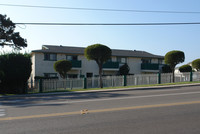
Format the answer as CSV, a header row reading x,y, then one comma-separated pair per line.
x,y
100,76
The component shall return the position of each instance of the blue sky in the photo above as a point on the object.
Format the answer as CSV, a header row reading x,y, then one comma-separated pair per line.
x,y
154,39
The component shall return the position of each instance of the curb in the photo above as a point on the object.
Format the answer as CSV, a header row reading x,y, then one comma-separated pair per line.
x,y
102,90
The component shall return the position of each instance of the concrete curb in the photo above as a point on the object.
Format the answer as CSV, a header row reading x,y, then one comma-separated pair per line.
x,y
101,90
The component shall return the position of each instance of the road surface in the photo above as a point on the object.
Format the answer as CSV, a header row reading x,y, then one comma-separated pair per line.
x,y
149,111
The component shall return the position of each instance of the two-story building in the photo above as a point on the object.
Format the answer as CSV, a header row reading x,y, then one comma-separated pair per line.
x,y
138,62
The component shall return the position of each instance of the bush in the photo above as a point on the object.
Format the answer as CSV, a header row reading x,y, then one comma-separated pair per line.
x,y
17,70
196,64
166,69
185,68
124,69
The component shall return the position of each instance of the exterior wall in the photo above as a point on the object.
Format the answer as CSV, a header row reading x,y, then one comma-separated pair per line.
x,y
134,65
33,67
41,66
88,66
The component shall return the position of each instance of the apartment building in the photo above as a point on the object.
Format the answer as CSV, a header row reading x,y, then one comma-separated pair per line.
x,y
138,62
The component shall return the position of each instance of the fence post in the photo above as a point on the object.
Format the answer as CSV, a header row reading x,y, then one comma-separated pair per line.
x,y
125,81
159,78
85,83
40,85
71,84
191,76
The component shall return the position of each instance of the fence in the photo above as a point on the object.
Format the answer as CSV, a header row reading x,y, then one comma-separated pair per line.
x,y
110,81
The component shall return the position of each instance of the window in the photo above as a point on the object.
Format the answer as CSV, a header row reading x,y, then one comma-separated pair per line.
x,y
49,75
160,61
71,57
50,57
121,59
72,76
146,60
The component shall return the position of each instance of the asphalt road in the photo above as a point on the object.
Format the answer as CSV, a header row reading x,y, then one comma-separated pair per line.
x,y
149,111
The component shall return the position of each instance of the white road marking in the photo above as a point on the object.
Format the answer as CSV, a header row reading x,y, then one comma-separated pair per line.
x,y
2,111
109,99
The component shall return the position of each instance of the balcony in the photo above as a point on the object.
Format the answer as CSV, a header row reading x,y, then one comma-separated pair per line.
x,y
76,63
149,66
111,65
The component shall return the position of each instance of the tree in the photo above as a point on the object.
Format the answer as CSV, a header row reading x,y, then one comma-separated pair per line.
x,y
196,64
62,67
1,75
124,69
185,68
99,53
7,35
173,58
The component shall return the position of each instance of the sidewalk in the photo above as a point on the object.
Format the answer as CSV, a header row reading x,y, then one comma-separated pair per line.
x,y
102,90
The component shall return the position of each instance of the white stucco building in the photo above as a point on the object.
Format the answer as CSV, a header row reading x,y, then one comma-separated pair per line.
x,y
138,62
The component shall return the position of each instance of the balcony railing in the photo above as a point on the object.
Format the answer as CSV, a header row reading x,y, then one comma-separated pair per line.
x,y
149,66
111,65
76,63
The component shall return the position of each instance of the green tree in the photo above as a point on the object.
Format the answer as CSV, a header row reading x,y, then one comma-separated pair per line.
x,y
173,58
185,68
7,35
124,69
99,53
62,67
16,68
196,64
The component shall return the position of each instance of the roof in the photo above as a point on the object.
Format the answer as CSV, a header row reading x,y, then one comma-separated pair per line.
x,y
80,51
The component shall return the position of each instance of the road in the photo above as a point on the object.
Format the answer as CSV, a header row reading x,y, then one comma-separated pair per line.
x,y
149,111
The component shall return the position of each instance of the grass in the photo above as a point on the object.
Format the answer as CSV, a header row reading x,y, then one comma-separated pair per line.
x,y
122,87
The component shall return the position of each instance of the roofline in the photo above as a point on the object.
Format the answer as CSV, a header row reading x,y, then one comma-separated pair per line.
x,y
46,46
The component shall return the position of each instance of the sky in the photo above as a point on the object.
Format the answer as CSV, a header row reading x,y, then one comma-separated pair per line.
x,y
157,40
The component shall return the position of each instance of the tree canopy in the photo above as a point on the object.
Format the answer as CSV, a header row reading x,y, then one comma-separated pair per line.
x,y
124,69
99,53
185,68
62,67
196,64
8,36
172,58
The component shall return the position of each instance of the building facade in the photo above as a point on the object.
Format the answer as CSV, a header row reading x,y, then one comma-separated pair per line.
x,y
138,62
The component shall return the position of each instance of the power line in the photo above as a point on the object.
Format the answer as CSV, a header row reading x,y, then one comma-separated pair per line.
x,y
101,9
109,24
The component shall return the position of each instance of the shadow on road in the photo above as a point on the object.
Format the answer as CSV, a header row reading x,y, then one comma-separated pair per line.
x,y
36,100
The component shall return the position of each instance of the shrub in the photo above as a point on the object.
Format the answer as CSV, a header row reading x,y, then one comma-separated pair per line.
x,y
124,69
185,68
166,69
17,70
